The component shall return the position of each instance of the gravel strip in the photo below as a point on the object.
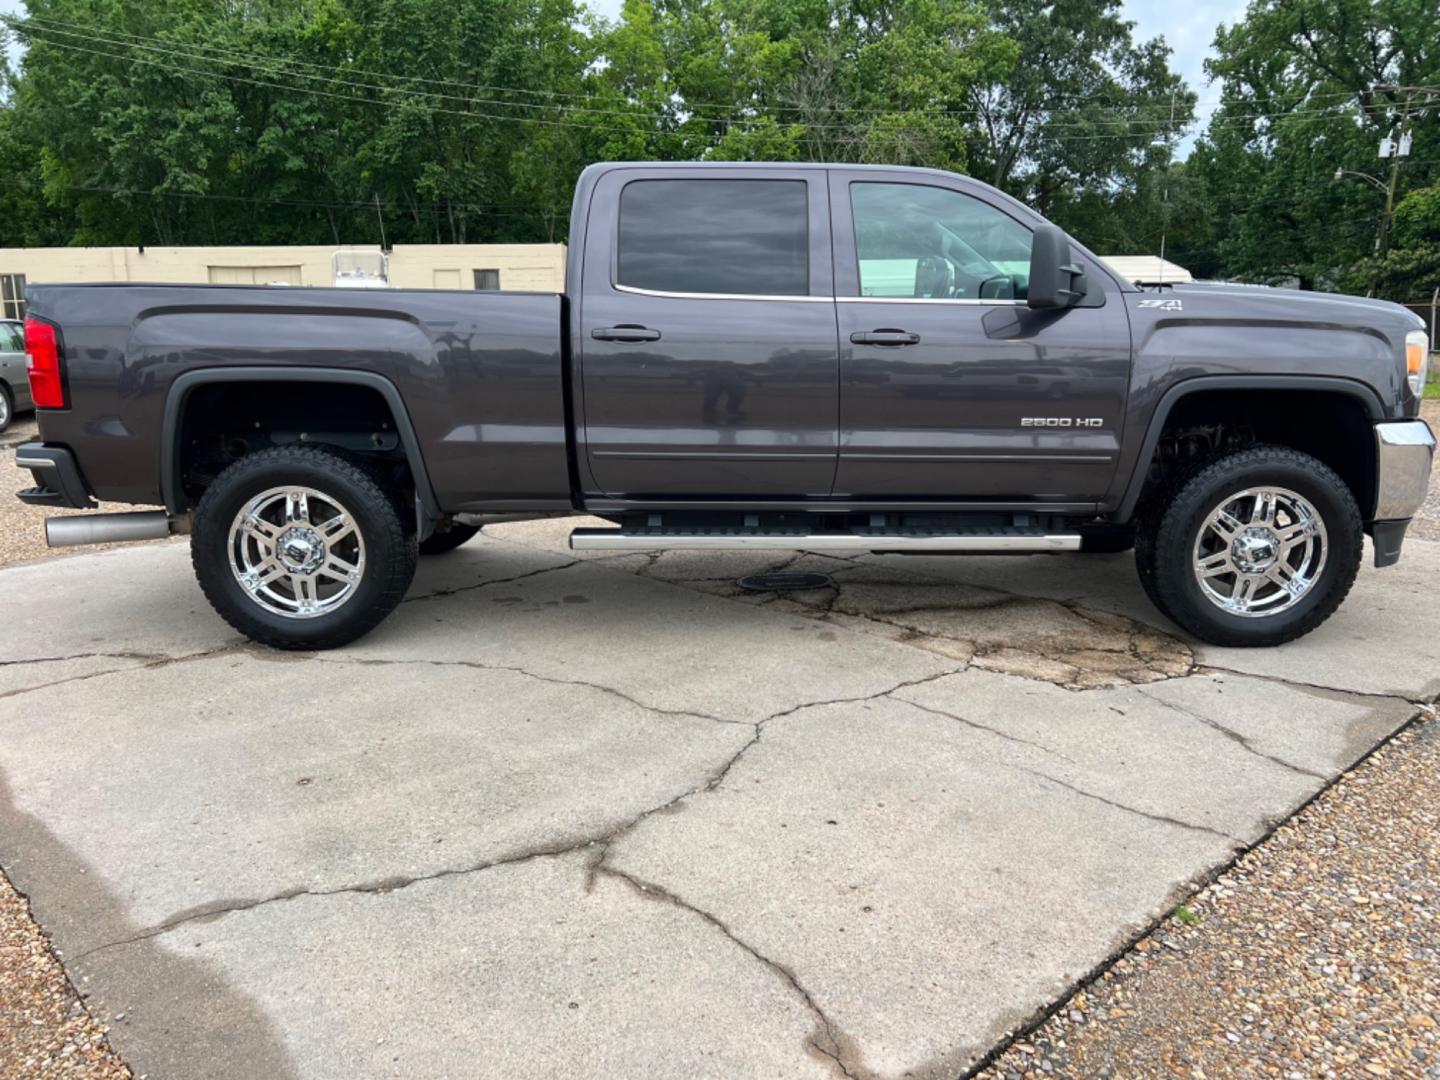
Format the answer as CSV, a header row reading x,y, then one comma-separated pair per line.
x,y
1317,955
45,1030
1426,525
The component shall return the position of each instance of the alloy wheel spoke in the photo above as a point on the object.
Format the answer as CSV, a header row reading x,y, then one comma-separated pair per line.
x,y
297,507
1244,590
1214,565
339,569
1225,524
336,528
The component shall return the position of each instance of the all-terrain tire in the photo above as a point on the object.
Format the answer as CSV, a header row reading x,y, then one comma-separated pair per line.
x,y
438,543
1167,535
389,548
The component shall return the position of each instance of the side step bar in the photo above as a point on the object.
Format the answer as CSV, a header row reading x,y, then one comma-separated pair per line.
x,y
1013,540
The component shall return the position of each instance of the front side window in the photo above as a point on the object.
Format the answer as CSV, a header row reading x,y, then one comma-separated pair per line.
x,y
743,237
932,243
12,296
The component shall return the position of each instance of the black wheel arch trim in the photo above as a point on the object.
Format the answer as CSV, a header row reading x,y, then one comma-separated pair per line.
x,y
1361,392
427,509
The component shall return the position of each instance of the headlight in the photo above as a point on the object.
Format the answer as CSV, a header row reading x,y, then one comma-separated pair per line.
x,y
1417,360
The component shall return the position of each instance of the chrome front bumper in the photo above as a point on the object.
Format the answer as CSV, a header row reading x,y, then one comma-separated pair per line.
x,y
1406,451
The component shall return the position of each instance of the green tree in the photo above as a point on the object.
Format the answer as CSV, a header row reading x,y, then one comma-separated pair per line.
x,y
1310,87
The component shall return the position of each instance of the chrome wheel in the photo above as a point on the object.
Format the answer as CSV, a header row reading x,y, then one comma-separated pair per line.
x,y
1260,552
296,552
4,410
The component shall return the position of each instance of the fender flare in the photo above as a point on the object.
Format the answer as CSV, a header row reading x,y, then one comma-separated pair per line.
x,y
427,508
1361,392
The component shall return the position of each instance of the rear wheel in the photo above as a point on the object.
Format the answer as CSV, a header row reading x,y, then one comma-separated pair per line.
x,y
1258,547
300,548
455,534
7,406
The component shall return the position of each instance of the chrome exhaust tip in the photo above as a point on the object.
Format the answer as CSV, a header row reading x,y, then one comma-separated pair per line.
x,y
110,528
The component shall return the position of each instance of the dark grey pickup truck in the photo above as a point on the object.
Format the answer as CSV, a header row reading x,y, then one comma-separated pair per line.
x,y
825,358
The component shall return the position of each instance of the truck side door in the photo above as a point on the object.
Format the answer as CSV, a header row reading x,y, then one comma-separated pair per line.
x,y
950,387
708,350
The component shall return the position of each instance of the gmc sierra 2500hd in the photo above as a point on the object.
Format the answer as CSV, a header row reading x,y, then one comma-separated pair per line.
x,y
826,358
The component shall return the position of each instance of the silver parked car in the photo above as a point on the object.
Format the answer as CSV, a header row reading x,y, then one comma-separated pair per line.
x,y
14,380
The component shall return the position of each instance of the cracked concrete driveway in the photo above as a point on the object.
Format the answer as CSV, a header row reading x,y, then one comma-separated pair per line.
x,y
614,816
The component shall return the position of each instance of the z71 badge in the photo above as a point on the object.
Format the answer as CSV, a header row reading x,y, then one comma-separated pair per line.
x,y
1162,305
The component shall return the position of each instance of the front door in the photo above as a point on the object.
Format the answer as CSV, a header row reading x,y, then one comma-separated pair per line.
x,y
950,387
709,355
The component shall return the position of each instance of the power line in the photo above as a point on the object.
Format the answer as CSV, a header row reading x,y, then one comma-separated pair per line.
x,y
192,52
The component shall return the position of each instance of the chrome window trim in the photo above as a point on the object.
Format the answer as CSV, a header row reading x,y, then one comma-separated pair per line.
x,y
636,290
962,301
807,299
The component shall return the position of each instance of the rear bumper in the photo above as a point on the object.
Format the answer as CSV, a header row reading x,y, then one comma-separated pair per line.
x,y
57,478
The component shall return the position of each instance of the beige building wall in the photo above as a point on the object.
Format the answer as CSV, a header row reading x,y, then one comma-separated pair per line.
x,y
412,266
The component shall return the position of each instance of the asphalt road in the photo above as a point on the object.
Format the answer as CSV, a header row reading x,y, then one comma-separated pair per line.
x,y
614,816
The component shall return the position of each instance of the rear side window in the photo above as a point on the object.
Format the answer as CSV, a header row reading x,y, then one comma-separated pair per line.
x,y
746,237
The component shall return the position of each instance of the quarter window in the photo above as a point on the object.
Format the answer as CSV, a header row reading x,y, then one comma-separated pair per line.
x,y
936,244
747,237
12,296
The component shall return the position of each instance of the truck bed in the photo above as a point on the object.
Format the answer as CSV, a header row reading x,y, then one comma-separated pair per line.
x,y
480,377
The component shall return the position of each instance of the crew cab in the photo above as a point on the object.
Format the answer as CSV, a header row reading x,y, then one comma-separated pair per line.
x,y
833,358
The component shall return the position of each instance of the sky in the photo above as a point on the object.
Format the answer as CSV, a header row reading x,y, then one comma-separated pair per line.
x,y
1188,26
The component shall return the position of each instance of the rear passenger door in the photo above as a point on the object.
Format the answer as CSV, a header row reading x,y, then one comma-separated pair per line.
x,y
708,354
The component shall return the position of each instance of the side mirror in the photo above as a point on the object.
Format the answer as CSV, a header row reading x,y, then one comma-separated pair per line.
x,y
1055,281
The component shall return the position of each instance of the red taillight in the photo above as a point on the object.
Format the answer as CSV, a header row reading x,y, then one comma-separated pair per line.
x,y
42,349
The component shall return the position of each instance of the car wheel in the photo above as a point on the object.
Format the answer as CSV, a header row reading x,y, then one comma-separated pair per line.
x,y
1258,547
438,543
7,406
300,548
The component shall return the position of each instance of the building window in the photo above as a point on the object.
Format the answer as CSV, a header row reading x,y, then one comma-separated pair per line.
x,y
740,237
487,280
12,293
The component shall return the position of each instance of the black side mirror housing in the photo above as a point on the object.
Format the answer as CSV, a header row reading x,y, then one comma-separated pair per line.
x,y
1056,281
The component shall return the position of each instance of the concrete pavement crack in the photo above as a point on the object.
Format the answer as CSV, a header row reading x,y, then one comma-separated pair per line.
x,y
146,662
217,909
826,1041
442,593
1298,684
516,669
987,728
1161,818
1231,734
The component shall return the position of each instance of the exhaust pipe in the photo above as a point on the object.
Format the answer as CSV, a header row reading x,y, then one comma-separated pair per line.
x,y
111,528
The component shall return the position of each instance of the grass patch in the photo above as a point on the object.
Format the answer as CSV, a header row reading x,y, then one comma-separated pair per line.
x,y
1185,915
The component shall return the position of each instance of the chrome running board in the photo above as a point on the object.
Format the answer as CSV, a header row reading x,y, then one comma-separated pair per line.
x,y
1013,540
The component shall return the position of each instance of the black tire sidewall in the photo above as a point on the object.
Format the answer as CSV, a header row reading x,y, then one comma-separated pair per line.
x,y
389,551
1173,578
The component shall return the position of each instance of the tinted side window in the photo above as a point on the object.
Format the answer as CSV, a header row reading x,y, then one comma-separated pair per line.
x,y
715,236
12,338
929,242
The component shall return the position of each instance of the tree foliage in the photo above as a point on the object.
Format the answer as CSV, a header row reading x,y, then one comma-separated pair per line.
x,y
337,121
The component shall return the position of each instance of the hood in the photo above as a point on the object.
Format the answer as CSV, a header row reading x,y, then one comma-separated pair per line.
x,y
1301,305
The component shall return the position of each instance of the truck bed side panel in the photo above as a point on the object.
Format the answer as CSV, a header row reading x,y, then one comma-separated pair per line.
x,y
481,375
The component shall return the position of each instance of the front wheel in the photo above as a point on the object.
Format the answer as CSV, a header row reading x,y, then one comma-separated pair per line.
x,y
1258,547
300,548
